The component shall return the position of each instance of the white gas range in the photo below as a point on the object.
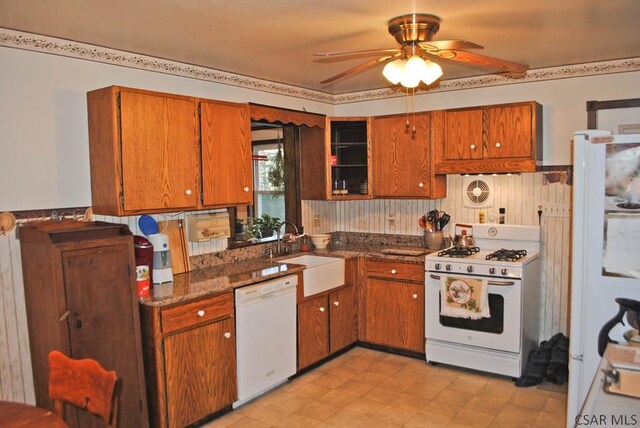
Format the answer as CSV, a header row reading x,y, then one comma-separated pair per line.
x,y
500,342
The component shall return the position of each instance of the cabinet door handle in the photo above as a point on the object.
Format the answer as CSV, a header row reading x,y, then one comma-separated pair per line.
x,y
473,147
498,144
414,295
187,192
246,189
336,303
321,308
201,313
65,316
420,184
227,335
393,271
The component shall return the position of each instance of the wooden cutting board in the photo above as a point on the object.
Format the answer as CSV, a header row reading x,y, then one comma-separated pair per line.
x,y
176,232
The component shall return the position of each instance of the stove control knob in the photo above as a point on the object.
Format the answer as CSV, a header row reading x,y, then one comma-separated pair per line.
x,y
492,271
504,271
469,269
438,266
448,267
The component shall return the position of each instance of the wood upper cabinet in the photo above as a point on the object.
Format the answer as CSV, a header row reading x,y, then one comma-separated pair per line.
x,y
225,134
143,151
401,160
500,138
393,307
79,286
190,355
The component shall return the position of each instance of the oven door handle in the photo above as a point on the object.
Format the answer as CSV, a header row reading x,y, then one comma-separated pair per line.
x,y
498,283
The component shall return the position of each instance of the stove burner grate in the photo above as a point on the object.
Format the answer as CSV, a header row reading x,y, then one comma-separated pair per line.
x,y
507,255
459,252
629,205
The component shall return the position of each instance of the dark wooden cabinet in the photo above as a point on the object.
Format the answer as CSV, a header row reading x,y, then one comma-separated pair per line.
x,y
190,355
402,160
79,281
498,138
393,306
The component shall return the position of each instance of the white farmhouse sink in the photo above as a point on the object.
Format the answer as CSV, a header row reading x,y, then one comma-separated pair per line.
x,y
322,273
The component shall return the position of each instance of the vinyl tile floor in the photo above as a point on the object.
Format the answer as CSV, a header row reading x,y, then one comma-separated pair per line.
x,y
368,388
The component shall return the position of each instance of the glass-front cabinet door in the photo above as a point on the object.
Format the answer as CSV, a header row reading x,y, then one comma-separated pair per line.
x,y
348,140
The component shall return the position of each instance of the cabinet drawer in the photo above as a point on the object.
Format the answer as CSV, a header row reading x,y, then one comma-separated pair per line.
x,y
396,270
194,313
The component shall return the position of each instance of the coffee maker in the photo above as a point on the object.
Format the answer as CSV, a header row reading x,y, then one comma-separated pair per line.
x,y
161,258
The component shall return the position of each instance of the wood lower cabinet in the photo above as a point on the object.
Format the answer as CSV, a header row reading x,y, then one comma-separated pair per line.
x,y
79,284
190,353
401,160
498,138
393,305
327,324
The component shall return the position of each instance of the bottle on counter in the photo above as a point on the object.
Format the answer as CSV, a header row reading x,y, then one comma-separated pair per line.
x,y
502,217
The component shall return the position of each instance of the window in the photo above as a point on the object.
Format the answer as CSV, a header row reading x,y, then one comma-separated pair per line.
x,y
267,198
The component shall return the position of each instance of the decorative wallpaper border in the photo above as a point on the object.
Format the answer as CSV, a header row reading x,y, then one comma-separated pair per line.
x,y
56,46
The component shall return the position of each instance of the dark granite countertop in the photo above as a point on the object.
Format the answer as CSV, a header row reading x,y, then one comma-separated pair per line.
x,y
222,278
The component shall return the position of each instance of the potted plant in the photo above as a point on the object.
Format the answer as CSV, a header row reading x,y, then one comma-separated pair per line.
x,y
267,225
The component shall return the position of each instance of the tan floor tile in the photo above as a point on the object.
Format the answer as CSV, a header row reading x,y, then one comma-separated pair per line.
x,y
427,391
312,390
518,413
380,395
386,368
345,419
364,407
502,422
295,420
555,405
502,391
395,383
530,398
224,421
452,398
470,418
486,404
247,422
342,371
371,377
330,380
289,401
338,398
410,401
469,385
421,420
355,387
374,422
311,376
439,412
248,408
318,410
269,414
396,414
550,420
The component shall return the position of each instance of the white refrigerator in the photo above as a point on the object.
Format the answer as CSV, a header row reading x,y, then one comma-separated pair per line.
x,y
605,248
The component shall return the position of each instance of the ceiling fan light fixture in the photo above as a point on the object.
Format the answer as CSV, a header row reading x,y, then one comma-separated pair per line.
x,y
431,73
393,71
414,69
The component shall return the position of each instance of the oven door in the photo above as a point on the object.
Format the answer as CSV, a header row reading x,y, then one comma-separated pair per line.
x,y
501,331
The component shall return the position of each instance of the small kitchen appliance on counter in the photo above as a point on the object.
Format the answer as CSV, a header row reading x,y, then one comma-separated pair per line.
x,y
144,264
161,258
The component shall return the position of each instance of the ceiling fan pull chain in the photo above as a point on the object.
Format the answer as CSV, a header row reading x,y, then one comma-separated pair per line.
x,y
406,108
413,111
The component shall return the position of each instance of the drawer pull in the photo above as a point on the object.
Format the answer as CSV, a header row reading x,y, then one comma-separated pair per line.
x,y
246,189
227,335
414,295
201,313
187,192
321,308
498,144
421,185
336,303
65,316
393,271
473,147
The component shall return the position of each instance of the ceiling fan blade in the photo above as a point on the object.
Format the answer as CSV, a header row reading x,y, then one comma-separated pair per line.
x,y
486,61
436,45
367,51
361,67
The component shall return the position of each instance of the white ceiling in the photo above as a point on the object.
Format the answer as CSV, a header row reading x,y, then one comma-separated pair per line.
x,y
274,40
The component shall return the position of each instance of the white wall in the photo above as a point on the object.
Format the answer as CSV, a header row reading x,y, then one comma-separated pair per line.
x,y
44,150
563,100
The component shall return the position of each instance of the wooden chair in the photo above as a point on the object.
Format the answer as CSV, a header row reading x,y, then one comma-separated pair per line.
x,y
84,384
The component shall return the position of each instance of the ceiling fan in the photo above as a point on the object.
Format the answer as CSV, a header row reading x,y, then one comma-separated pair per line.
x,y
409,62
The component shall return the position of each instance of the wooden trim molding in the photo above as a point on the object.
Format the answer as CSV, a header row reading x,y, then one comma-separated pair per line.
x,y
56,46
594,106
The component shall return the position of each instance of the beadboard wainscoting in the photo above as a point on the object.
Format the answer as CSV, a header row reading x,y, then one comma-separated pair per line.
x,y
520,195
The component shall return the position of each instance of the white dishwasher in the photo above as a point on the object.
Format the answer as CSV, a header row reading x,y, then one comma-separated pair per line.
x,y
265,335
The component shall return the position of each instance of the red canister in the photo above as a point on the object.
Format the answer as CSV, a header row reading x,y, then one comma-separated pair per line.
x,y
144,264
